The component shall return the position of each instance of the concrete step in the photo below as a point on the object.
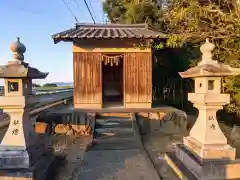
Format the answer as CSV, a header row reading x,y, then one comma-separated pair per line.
x,y
116,144
118,119
113,125
119,134
121,115
112,119
111,129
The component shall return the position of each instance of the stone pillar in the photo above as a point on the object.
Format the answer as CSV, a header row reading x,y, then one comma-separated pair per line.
x,y
205,151
21,149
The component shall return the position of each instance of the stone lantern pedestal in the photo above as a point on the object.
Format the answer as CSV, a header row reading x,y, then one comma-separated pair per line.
x,y
205,153
23,155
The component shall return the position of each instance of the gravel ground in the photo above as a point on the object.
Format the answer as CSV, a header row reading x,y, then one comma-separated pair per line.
x,y
69,152
72,150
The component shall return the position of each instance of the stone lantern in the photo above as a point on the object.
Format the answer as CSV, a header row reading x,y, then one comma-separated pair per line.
x,y
20,149
205,152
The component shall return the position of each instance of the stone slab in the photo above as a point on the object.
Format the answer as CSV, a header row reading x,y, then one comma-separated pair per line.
x,y
207,169
178,167
15,157
41,170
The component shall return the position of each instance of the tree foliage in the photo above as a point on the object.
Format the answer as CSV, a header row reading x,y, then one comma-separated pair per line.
x,y
134,11
193,21
50,85
35,85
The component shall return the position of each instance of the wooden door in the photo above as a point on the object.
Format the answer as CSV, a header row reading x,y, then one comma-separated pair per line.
x,y
87,78
138,77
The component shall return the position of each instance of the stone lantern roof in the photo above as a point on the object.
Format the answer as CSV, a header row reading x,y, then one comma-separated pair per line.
x,y
17,68
208,67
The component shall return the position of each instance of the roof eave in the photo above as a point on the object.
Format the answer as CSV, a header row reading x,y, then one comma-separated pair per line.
x,y
116,25
59,39
56,41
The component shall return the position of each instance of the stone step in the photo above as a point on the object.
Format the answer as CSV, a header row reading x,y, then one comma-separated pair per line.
x,y
121,115
179,168
118,129
116,144
113,125
117,119
113,119
120,134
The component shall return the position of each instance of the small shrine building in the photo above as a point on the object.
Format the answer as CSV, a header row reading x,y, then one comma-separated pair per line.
x,y
110,68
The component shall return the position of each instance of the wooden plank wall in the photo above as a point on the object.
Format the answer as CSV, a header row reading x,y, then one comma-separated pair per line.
x,y
138,77
87,78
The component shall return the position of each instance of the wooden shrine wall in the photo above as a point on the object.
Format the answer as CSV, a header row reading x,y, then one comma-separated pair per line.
x,y
138,79
87,80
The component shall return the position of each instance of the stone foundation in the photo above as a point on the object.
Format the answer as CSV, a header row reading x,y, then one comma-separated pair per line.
x,y
188,166
211,151
12,157
41,170
18,163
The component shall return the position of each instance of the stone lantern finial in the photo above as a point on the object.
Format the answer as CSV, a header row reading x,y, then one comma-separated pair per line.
x,y
18,49
206,50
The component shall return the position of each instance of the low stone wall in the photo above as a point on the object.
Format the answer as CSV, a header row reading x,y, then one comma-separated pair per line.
x,y
169,120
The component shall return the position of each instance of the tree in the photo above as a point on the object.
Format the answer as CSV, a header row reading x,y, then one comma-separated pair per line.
x,y
36,85
50,85
191,22
134,11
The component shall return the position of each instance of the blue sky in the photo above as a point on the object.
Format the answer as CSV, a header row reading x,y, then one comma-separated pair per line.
x,y
34,22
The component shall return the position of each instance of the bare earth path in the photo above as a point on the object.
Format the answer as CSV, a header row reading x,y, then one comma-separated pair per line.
x,y
118,154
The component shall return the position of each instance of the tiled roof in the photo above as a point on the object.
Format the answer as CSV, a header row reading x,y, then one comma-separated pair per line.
x,y
108,31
